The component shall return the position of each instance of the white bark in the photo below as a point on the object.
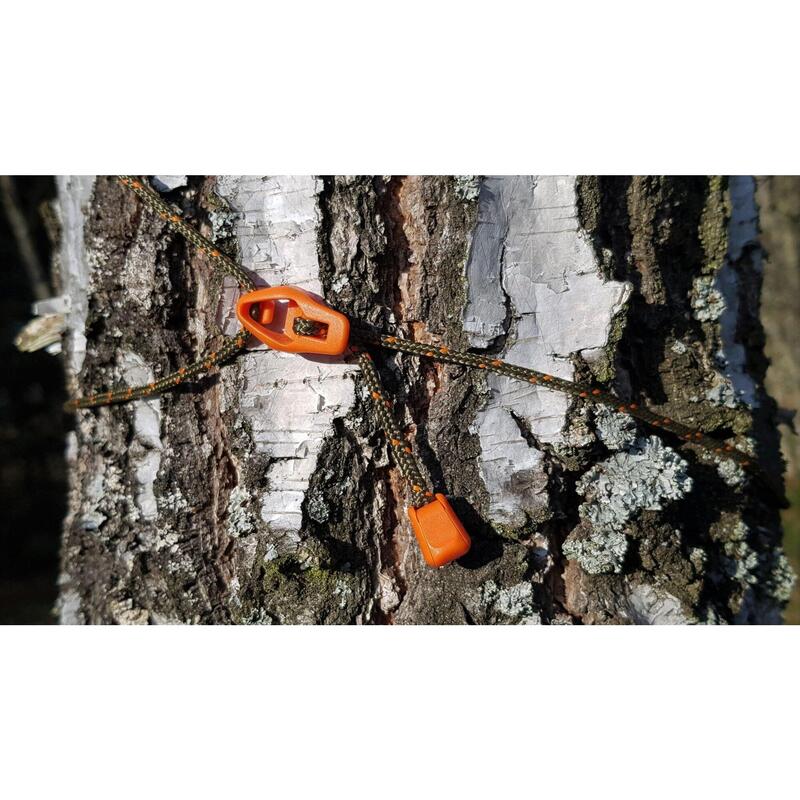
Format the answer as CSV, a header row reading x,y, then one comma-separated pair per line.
x,y
531,258
289,401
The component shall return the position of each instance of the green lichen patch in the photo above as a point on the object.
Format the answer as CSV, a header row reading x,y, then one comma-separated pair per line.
x,y
615,430
509,605
713,228
604,364
644,477
587,191
728,528
301,589
757,575
647,476
598,552
708,304
467,187
781,579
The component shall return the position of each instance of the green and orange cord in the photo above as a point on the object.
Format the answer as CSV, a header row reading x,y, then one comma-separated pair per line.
x,y
227,350
580,390
174,220
403,453
230,347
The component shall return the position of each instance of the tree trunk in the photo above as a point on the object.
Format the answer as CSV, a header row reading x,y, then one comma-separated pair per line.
x,y
779,200
266,493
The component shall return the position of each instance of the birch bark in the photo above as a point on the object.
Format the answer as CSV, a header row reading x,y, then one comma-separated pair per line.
x,y
266,494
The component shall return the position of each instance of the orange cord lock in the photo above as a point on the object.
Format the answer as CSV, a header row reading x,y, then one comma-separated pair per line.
x,y
269,314
439,531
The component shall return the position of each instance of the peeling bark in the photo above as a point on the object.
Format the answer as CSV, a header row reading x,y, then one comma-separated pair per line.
x,y
266,494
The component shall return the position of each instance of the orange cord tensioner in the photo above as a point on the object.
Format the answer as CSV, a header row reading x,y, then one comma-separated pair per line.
x,y
440,534
271,315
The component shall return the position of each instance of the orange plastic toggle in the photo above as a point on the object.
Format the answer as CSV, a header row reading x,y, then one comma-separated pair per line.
x,y
439,531
269,314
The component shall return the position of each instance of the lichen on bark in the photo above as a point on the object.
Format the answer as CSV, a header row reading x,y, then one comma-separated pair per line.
x,y
671,237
